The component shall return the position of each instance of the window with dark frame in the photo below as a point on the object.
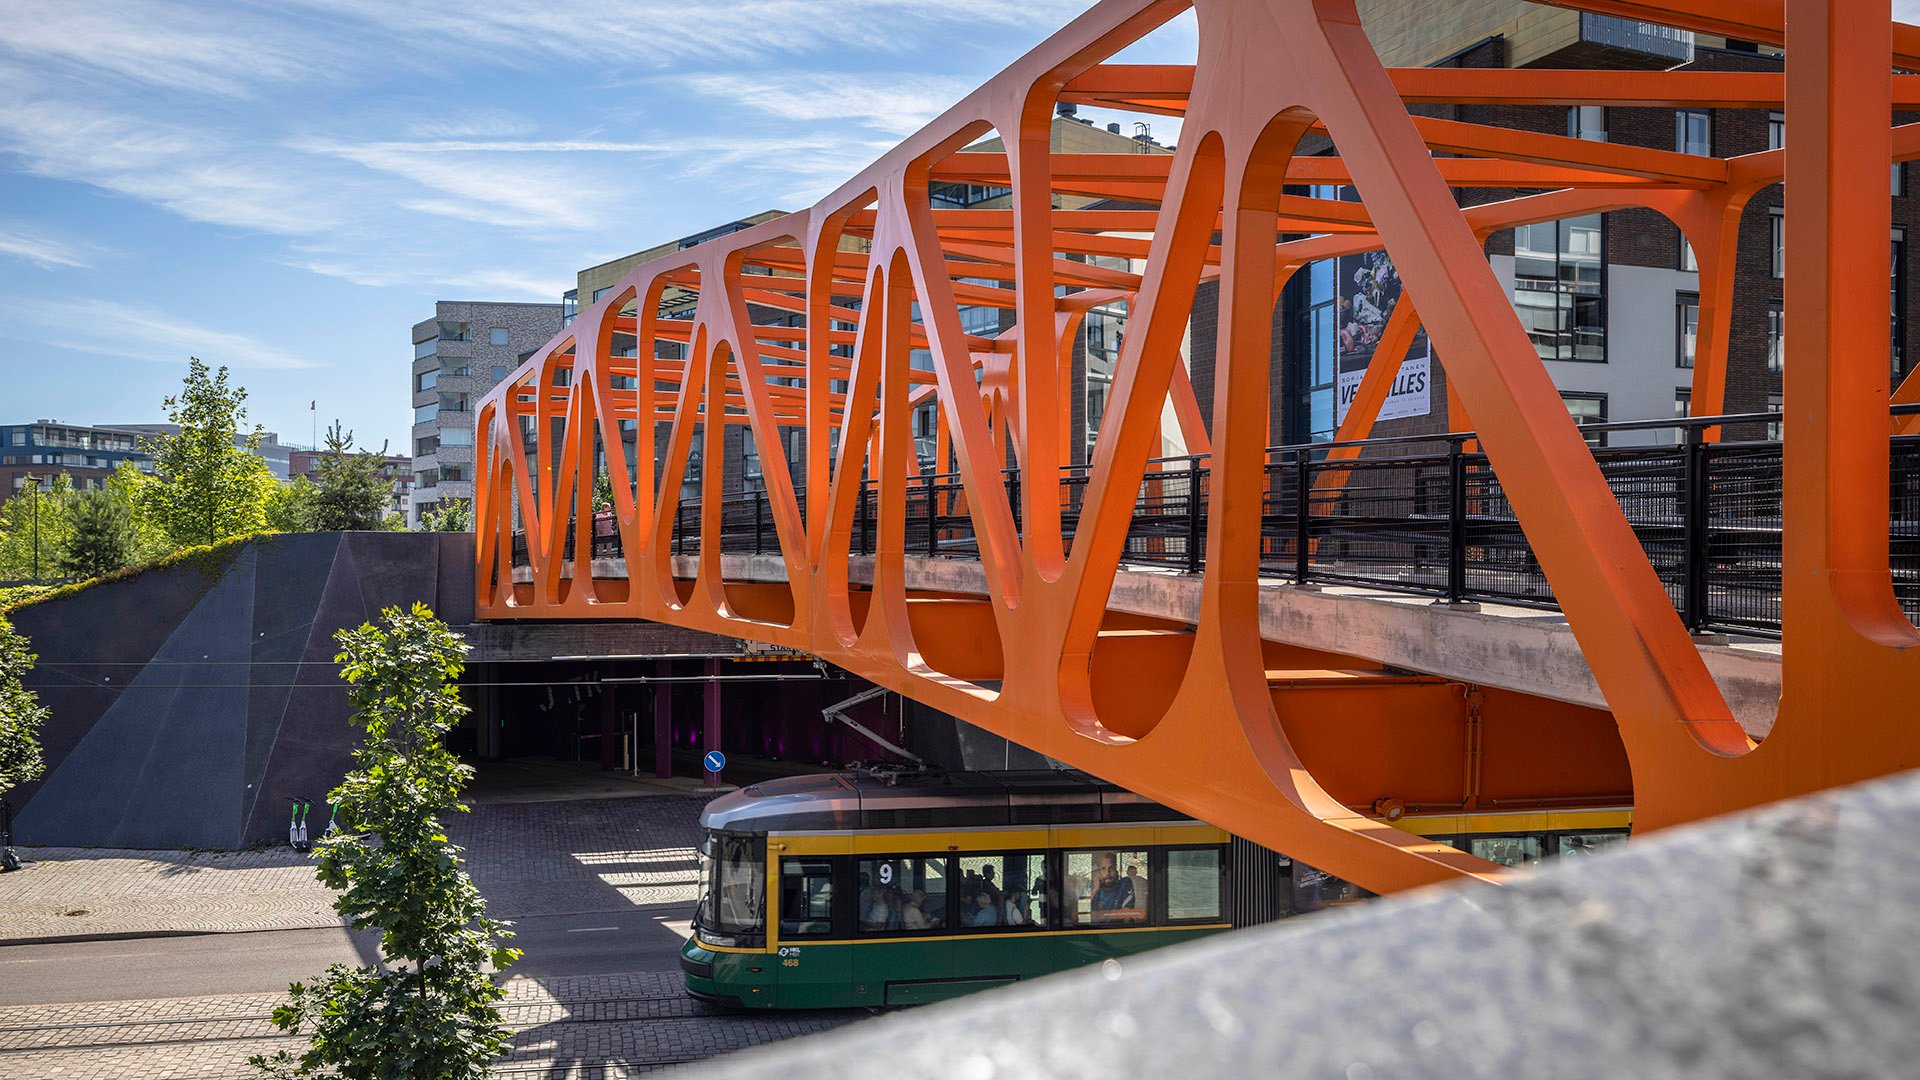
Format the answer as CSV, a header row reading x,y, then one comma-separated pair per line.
x,y
1686,328
1587,122
1587,409
1776,337
1693,132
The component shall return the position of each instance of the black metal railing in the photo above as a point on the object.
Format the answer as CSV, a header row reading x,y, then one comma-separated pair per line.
x,y
1419,514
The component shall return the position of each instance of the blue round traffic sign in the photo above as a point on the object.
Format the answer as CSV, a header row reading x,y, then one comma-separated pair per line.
x,y
715,761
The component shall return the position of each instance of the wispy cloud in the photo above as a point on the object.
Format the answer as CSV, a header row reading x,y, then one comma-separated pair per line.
x,y
524,32
173,45
885,101
130,332
22,241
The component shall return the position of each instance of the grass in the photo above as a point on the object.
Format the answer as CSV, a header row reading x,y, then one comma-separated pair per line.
x,y
211,559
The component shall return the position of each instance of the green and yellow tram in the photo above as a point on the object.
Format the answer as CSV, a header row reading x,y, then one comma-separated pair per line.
x,y
870,888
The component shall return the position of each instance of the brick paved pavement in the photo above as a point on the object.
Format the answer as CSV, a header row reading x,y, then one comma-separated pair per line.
x,y
528,858
572,1026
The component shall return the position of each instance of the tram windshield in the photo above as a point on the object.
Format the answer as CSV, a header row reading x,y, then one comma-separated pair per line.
x,y
733,888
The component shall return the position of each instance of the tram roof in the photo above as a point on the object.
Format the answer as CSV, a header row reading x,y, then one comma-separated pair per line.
x,y
927,800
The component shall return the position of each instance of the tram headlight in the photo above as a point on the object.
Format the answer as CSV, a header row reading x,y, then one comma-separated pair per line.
x,y
723,940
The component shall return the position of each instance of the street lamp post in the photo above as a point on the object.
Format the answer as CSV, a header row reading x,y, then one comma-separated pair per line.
x,y
34,482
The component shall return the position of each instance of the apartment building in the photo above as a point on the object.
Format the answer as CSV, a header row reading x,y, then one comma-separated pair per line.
x,y
458,355
397,469
46,448
1611,301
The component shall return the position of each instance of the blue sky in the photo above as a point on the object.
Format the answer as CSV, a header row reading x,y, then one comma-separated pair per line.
x,y
286,186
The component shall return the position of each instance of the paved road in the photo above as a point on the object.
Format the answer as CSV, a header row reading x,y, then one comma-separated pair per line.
x,y
601,943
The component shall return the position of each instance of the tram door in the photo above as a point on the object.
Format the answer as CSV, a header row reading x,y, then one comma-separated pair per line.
x,y
812,976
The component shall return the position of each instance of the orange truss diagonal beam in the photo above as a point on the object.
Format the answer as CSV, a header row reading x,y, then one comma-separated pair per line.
x,y
907,371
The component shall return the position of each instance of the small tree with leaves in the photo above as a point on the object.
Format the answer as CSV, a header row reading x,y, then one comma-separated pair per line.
x,y
35,525
102,537
427,1009
211,483
21,715
353,491
454,515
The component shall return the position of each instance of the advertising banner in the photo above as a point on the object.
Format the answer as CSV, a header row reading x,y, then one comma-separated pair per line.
x,y
1369,288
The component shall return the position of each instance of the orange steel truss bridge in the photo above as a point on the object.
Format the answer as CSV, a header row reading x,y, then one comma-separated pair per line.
x,y
802,330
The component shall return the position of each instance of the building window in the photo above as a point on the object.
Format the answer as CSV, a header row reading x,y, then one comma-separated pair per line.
x,y
1688,261
1897,180
453,331
1776,337
598,293
497,335
424,349
453,472
1558,287
1587,410
1776,406
427,446
426,413
1898,286
426,380
1776,130
1779,227
1682,402
453,403
456,437
1587,122
1105,327
1693,132
1686,327
1311,368
569,306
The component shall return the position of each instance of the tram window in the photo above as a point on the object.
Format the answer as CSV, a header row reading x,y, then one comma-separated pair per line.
x,y
1507,850
1001,890
1193,884
732,886
1590,843
806,897
1104,887
904,893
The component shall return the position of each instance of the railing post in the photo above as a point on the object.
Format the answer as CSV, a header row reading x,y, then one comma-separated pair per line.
x,y
1302,503
933,518
1693,530
679,530
1456,522
759,519
860,518
1194,503
1013,496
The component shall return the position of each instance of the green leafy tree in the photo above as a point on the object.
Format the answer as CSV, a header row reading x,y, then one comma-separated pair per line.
x,y
35,525
211,484
454,515
602,494
290,507
353,491
127,485
427,1009
103,537
21,713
